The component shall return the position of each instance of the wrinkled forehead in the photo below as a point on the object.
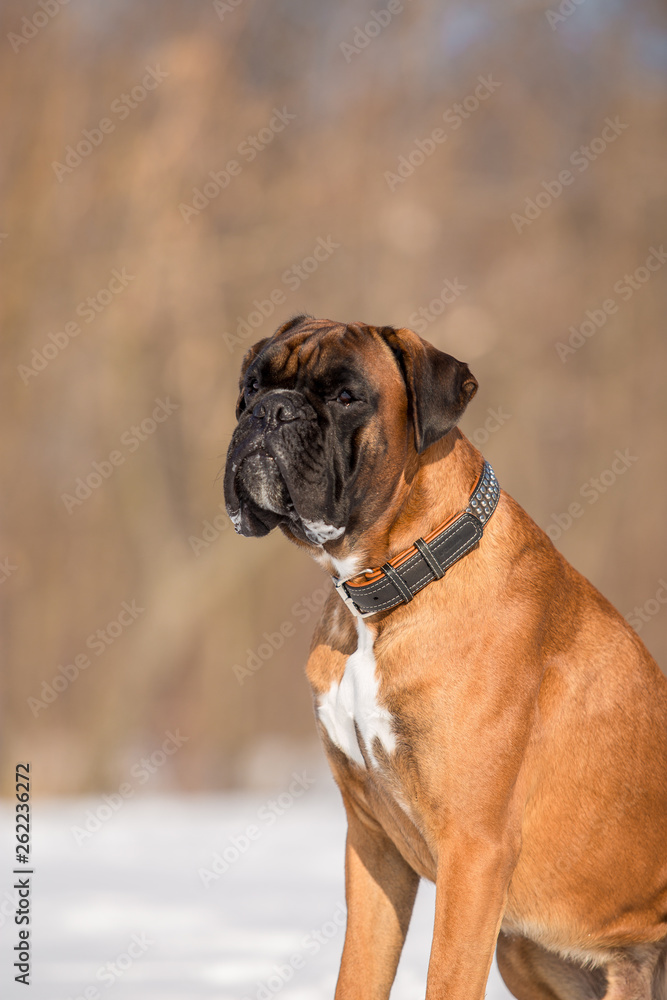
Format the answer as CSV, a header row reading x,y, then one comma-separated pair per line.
x,y
317,348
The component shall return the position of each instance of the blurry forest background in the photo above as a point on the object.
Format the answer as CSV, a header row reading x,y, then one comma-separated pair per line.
x,y
152,530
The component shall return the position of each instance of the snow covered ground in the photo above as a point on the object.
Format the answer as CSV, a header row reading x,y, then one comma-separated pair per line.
x,y
137,910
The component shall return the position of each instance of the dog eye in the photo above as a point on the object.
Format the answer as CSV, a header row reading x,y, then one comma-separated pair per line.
x,y
344,397
253,385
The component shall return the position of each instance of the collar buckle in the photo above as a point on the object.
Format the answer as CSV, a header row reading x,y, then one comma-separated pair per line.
x,y
347,600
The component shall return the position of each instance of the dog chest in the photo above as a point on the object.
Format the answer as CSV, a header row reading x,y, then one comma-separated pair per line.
x,y
350,710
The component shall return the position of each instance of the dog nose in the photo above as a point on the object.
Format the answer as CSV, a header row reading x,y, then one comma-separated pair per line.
x,y
274,410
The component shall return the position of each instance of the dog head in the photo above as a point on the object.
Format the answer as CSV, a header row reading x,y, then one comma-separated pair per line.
x,y
329,415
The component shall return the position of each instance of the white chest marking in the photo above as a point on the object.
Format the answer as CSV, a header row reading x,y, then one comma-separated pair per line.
x,y
345,568
319,532
355,700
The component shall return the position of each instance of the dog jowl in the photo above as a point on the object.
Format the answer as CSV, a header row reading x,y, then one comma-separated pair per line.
x,y
492,722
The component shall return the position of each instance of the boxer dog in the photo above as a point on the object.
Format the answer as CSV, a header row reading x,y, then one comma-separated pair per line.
x,y
493,724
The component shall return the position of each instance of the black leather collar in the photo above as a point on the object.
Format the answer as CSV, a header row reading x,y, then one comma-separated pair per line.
x,y
410,571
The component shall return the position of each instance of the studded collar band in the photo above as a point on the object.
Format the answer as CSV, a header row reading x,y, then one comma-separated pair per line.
x,y
428,559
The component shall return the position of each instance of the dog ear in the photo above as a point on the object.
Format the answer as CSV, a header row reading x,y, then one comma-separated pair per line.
x,y
248,359
439,387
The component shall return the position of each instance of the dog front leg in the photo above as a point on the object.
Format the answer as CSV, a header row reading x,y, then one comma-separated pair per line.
x,y
380,889
473,876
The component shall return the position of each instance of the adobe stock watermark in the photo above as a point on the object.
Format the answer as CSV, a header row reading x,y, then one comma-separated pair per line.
x,y
581,158
363,34
8,906
494,421
292,278
591,491
109,973
141,772
87,310
211,531
247,150
420,320
31,26
6,569
454,117
130,440
311,944
121,108
624,289
302,611
267,815
564,10
223,7
639,616
97,642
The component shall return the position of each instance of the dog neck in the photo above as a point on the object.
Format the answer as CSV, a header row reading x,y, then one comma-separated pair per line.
x,y
434,487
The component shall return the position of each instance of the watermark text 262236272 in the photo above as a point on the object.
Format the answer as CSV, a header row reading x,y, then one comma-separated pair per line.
x,y
22,813
22,883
